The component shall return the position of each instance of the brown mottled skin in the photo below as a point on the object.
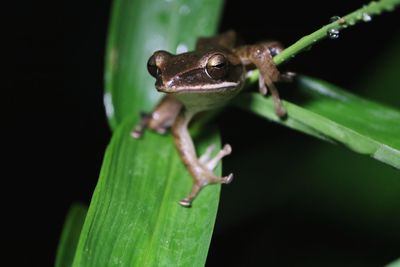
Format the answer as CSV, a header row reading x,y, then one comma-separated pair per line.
x,y
206,78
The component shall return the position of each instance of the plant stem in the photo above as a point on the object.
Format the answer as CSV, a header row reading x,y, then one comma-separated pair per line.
x,y
333,29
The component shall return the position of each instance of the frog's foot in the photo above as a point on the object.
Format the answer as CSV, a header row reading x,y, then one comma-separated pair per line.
x,y
212,163
200,184
207,154
206,177
147,120
279,109
137,132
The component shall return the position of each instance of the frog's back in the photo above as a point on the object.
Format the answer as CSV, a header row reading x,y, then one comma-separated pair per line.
x,y
226,40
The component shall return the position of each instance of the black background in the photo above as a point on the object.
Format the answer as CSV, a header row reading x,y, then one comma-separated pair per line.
x,y
54,123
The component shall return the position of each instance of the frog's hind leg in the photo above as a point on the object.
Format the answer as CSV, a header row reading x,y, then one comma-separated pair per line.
x,y
201,171
199,168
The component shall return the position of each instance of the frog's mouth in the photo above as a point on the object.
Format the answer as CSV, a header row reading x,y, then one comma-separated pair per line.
x,y
204,88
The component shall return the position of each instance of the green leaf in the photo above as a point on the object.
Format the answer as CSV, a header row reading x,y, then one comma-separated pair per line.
x,y
70,235
394,264
137,29
323,110
134,218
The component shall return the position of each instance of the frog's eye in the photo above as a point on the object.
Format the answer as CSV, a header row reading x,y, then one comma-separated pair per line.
x,y
152,67
217,66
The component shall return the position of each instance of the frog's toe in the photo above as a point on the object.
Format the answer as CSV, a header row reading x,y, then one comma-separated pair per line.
x,y
196,188
227,179
187,203
280,111
137,133
207,154
225,151
200,183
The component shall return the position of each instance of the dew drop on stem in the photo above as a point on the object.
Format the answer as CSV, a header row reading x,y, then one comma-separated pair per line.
x,y
334,18
366,17
333,33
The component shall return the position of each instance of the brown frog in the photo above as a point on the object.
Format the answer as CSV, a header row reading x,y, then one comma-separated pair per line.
x,y
204,79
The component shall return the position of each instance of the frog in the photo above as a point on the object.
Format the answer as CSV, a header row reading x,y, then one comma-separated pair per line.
x,y
207,78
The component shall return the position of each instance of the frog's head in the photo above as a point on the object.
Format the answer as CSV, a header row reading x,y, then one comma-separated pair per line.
x,y
195,71
198,76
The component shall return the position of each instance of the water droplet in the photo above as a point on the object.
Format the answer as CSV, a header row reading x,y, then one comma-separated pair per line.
x,y
184,10
181,48
334,18
366,17
333,33
107,100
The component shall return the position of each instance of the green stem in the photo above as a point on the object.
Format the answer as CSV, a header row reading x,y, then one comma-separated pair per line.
x,y
332,30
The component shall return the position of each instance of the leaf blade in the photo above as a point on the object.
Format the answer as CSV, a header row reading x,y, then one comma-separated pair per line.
x,y
70,235
396,263
134,221
134,218
325,110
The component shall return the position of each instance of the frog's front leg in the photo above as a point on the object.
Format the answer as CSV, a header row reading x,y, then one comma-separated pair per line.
x,y
199,168
260,56
161,118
